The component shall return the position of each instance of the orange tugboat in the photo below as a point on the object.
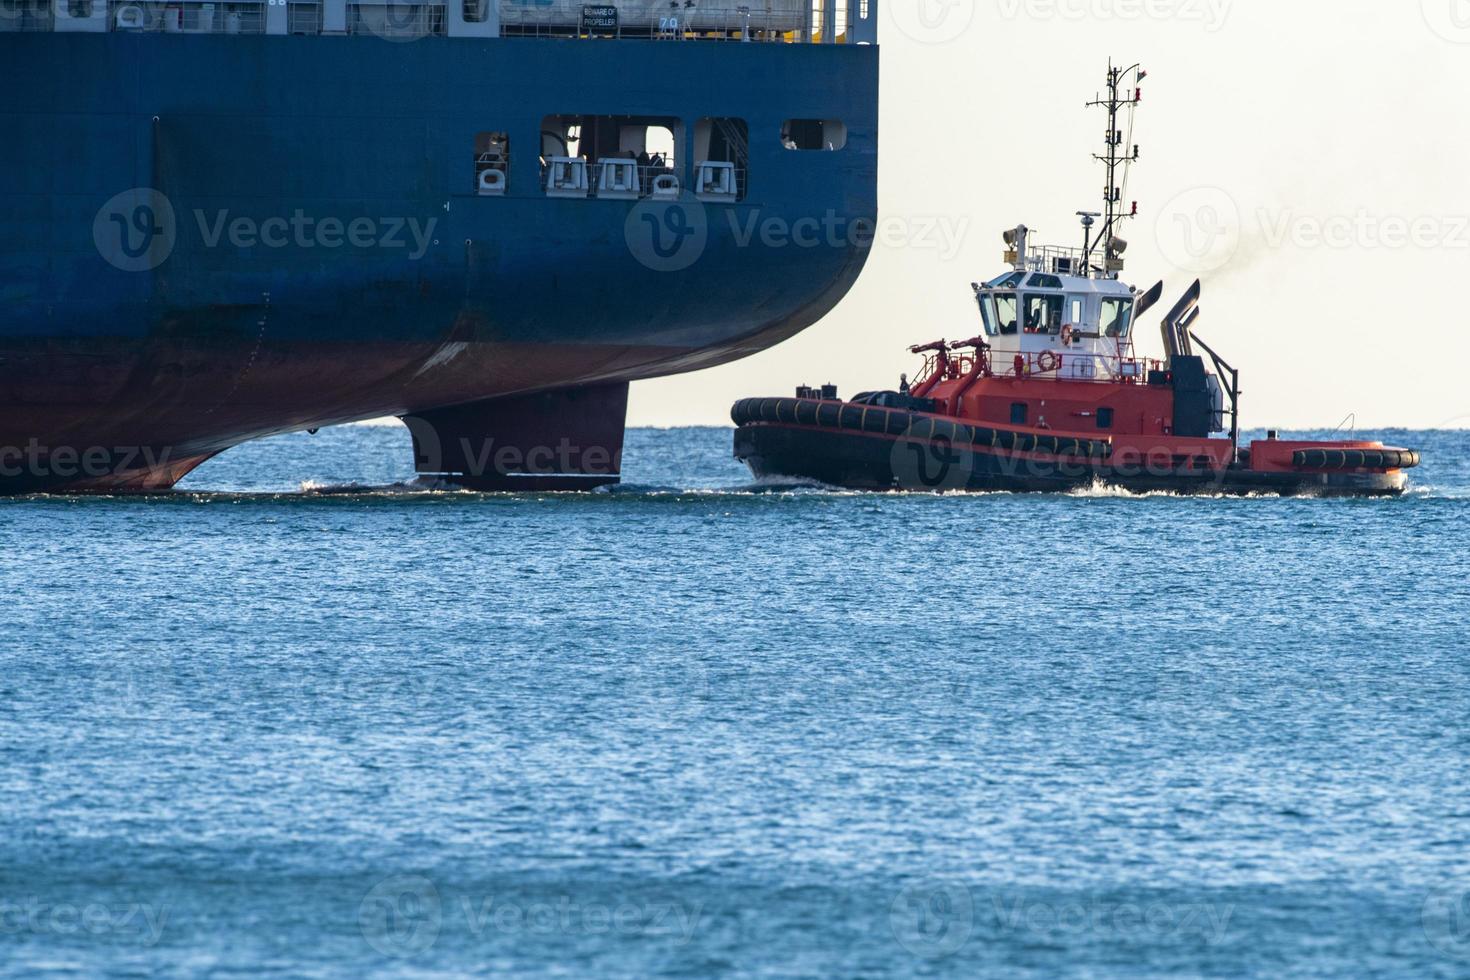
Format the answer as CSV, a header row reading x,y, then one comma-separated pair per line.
x,y
1053,395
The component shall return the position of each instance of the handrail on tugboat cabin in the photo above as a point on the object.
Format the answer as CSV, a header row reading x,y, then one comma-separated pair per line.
x,y
952,365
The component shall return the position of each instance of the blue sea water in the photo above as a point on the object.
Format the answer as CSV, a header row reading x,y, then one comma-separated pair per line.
x,y
696,727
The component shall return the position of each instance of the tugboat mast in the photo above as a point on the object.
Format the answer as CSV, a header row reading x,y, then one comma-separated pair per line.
x,y
1121,153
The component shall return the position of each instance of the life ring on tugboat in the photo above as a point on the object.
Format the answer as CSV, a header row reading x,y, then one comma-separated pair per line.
x,y
1048,361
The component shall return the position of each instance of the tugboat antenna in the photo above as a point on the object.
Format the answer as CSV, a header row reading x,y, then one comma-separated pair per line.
x,y
1121,154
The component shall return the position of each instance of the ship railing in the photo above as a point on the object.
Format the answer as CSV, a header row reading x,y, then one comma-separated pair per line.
x,y
186,17
492,172
798,22
787,22
652,181
399,21
732,23
303,18
1056,261
1056,365
1065,365
946,366
659,181
27,16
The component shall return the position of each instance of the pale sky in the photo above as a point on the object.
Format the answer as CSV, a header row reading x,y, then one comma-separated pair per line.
x,y
1325,143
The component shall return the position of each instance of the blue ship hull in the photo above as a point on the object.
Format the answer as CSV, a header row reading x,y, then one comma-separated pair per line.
x,y
209,239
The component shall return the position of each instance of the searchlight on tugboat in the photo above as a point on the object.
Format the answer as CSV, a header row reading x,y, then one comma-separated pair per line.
x,y
1053,394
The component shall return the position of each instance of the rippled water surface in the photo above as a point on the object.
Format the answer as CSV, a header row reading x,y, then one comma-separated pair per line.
x,y
698,727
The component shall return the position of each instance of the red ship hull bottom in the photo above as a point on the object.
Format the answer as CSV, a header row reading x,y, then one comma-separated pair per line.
x,y
872,448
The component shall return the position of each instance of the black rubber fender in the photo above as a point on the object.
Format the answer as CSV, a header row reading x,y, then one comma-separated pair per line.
x,y
875,420
1355,459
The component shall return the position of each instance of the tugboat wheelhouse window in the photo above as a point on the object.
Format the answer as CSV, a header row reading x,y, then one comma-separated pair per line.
x,y
1117,317
1005,314
1043,314
814,134
987,315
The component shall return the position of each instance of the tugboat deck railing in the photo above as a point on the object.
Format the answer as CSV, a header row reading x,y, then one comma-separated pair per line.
x,y
1104,368
1057,261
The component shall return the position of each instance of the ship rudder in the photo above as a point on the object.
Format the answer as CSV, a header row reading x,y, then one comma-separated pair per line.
x,y
564,440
